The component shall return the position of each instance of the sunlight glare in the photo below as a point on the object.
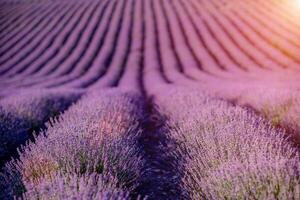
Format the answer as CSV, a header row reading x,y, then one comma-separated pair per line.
x,y
296,4
293,6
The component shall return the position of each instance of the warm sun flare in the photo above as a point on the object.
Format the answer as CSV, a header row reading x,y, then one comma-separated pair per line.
x,y
292,7
295,4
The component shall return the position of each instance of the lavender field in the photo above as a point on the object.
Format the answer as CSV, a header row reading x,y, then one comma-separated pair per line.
x,y
150,99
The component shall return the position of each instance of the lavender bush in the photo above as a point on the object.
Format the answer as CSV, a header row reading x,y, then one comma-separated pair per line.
x,y
229,152
73,186
95,136
280,106
25,112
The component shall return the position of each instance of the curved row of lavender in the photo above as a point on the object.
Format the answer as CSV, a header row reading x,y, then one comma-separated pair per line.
x,y
23,113
90,152
228,152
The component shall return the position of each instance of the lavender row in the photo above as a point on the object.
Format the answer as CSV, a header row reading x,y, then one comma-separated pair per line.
x,y
228,152
27,111
186,60
92,146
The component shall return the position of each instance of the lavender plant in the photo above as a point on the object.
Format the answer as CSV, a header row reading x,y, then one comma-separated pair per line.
x,y
23,113
280,106
229,153
95,136
73,186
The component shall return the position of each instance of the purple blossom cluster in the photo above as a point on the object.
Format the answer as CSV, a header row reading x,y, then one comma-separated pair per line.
x,y
27,111
228,152
74,186
90,151
279,106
